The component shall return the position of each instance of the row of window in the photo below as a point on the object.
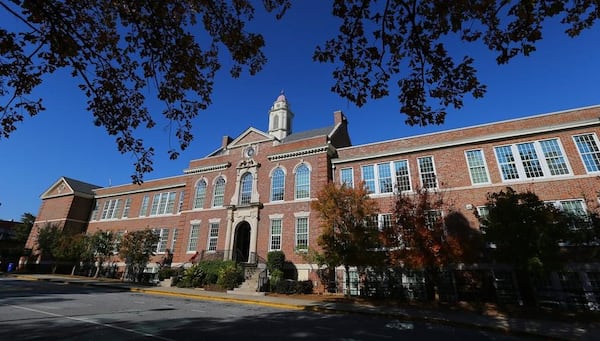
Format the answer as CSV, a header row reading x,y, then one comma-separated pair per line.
x,y
527,160
301,234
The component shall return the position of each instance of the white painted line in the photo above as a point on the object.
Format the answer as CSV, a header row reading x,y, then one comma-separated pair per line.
x,y
92,322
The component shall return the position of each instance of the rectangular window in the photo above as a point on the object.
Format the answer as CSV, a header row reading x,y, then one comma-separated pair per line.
x,y
174,240
163,238
144,206
163,203
368,176
385,178
347,177
484,213
302,233
402,176
554,158
111,210
587,145
181,199
127,208
432,218
532,160
576,209
193,239
477,167
275,235
506,160
213,236
384,221
427,172
95,211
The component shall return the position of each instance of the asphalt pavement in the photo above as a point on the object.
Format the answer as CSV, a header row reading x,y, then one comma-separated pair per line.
x,y
527,327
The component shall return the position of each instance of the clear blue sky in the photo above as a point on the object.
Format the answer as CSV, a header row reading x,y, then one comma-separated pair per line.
x,y
563,73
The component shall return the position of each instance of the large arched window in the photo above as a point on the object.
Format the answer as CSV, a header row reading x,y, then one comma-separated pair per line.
x,y
200,194
245,189
277,184
219,192
302,182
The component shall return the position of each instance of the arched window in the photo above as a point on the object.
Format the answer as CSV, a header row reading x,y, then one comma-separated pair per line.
x,y
302,182
200,194
219,192
277,184
245,189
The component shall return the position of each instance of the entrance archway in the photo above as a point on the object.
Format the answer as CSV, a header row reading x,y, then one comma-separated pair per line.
x,y
241,244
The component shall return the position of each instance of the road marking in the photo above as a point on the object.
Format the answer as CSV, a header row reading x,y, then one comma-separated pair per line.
x,y
92,322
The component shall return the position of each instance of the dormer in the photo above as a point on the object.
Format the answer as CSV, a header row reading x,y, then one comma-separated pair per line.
x,y
280,118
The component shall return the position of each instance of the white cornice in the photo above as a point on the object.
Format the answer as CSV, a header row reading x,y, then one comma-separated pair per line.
x,y
206,169
487,138
299,153
142,190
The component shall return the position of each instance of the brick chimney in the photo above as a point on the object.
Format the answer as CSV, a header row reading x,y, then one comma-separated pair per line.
x,y
338,117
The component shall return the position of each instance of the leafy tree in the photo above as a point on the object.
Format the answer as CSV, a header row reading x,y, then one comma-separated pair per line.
x,y
23,230
419,237
349,237
118,48
136,249
72,248
525,232
102,244
48,238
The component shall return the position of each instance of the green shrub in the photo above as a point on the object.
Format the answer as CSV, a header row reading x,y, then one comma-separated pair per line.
x,y
166,272
230,276
192,277
275,260
289,286
274,280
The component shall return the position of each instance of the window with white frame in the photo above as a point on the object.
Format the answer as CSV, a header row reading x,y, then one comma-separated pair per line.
x,y
484,213
163,238
384,221
529,160
587,145
275,240
277,184
213,236
301,233
427,172
576,209
95,211
193,238
386,177
219,192
144,206
200,194
174,240
127,208
402,176
163,203
347,177
181,201
432,218
111,210
302,182
477,167
246,189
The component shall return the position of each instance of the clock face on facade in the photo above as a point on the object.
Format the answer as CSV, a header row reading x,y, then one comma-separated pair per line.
x,y
249,152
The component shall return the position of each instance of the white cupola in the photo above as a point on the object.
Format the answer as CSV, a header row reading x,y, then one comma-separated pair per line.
x,y
280,118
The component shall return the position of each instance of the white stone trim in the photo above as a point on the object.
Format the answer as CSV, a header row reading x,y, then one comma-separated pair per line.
x,y
206,169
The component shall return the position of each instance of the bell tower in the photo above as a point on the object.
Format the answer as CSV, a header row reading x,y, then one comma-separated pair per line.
x,y
280,118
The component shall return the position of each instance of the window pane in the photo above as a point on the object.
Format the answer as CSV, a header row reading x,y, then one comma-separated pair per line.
x,y
144,207
200,194
530,160
275,234
507,163
302,182
368,175
277,185
219,194
402,177
554,157
428,178
347,177
477,166
246,189
213,236
590,154
193,242
302,233
385,178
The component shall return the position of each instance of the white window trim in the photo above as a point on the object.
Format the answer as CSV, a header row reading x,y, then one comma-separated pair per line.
x,y
189,241
541,159
393,175
435,173
299,216
212,222
487,171
271,181
351,173
595,138
271,234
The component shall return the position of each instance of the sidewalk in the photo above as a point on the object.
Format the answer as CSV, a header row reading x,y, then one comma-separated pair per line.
x,y
514,326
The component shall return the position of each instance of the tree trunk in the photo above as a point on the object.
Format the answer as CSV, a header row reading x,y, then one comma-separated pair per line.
x,y
347,280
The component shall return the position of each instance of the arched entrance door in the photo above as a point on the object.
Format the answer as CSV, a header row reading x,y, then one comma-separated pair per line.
x,y
241,243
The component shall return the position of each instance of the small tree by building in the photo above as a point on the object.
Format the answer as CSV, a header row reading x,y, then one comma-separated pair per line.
x,y
136,248
420,238
102,244
73,249
348,237
525,232
48,238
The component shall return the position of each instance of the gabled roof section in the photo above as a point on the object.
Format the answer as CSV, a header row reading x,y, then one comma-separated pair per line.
x,y
67,186
251,135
